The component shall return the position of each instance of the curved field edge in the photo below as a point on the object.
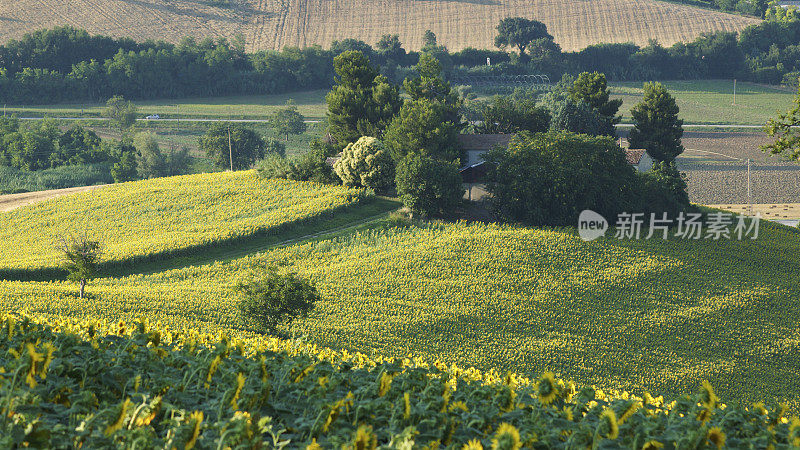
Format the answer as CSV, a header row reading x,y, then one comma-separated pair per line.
x,y
138,382
655,315
176,219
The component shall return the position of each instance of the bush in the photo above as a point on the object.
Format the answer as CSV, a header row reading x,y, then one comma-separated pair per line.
x,y
573,116
429,186
16,180
365,163
274,166
271,298
549,178
663,190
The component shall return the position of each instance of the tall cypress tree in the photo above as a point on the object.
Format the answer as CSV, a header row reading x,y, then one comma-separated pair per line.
x,y
657,127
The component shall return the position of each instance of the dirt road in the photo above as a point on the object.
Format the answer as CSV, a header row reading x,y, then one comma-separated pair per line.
x,y
14,201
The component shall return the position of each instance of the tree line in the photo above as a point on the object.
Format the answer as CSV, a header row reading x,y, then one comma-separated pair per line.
x,y
66,64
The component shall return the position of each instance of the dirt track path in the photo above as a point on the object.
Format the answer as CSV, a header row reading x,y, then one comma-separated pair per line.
x,y
13,201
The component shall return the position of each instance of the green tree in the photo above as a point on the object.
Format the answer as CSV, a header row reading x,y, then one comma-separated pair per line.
x,y
151,163
656,127
429,186
568,115
365,163
361,103
272,298
428,39
509,115
82,259
430,121
225,142
786,129
120,112
391,48
423,126
663,190
592,89
124,156
549,178
78,146
520,33
288,120
429,84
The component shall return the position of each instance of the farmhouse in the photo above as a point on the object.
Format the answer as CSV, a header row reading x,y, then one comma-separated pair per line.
x,y
639,159
474,169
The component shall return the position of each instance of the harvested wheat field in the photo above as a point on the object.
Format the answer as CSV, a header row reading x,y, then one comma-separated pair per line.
x,y
273,24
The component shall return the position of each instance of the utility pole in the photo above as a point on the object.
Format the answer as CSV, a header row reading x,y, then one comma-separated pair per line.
x,y
230,147
734,92
749,203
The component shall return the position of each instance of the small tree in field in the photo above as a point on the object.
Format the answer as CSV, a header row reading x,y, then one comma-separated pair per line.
x,y
82,259
272,298
121,112
288,120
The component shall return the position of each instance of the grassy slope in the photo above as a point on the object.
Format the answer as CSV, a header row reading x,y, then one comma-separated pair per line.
x,y
152,219
656,315
272,24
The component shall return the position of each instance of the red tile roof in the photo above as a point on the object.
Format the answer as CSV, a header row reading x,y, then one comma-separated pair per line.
x,y
634,155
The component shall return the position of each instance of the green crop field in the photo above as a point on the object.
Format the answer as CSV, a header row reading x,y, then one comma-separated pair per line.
x,y
637,315
309,103
701,102
711,101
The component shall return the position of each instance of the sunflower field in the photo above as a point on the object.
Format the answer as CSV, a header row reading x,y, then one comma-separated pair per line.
x,y
90,384
163,216
656,315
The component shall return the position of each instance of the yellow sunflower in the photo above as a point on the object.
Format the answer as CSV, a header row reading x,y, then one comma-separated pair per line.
x,y
708,398
547,389
716,437
608,426
473,445
652,445
506,438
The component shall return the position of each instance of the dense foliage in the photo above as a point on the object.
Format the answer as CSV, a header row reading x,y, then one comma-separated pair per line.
x,y
65,64
656,126
429,186
16,180
40,145
95,385
271,298
549,178
151,218
232,146
365,163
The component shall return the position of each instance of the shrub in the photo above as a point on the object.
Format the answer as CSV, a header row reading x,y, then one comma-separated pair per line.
x,y
365,163
549,178
274,166
573,116
429,186
663,190
272,298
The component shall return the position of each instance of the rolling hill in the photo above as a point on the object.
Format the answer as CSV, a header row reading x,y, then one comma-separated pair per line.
x,y
657,315
273,24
